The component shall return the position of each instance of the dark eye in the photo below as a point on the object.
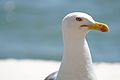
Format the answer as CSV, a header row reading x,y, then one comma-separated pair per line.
x,y
78,19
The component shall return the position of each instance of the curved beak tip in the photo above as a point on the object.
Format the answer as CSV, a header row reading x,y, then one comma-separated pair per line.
x,y
99,26
104,29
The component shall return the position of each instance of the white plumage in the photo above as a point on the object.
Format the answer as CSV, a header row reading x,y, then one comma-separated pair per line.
x,y
77,63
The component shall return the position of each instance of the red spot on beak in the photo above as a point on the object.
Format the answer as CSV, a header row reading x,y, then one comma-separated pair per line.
x,y
104,29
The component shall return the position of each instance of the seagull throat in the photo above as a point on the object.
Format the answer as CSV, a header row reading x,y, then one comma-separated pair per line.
x,y
76,63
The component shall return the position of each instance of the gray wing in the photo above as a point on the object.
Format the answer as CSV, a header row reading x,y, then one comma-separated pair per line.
x,y
51,76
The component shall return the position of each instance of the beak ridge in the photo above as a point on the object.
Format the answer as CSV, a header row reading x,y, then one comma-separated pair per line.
x,y
99,26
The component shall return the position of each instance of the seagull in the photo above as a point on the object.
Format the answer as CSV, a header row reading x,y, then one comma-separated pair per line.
x,y
77,62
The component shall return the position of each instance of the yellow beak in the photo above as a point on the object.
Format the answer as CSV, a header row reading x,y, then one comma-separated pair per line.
x,y
99,26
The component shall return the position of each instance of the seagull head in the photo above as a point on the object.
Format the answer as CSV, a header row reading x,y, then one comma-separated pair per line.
x,y
82,22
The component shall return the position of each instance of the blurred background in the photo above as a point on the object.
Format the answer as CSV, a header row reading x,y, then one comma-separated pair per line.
x,y
31,29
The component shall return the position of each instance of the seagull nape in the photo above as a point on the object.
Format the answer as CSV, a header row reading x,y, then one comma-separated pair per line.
x,y
76,62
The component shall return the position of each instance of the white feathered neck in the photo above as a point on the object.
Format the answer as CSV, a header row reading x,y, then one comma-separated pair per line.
x,y
76,63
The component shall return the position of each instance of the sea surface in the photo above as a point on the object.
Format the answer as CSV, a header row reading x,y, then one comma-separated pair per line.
x,y
31,29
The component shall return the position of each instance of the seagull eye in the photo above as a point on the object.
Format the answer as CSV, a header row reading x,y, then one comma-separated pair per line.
x,y
78,19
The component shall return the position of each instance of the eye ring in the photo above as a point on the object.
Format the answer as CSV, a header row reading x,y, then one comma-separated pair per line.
x,y
78,19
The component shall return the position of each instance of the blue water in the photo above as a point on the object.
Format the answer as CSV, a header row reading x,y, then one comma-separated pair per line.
x,y
31,29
